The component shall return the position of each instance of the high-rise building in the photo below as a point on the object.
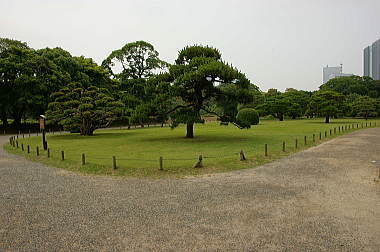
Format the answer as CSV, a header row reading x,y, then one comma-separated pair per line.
x,y
371,62
333,72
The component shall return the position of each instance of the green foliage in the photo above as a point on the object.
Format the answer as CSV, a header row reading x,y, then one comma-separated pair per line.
x,y
138,60
326,103
200,77
84,108
346,85
247,117
364,106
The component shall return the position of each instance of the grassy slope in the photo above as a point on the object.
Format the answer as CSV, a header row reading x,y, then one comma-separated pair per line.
x,y
219,144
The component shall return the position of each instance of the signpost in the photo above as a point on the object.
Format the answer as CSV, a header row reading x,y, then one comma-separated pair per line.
x,y
42,128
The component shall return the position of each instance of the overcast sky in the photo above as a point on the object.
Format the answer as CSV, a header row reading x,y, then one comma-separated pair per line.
x,y
277,43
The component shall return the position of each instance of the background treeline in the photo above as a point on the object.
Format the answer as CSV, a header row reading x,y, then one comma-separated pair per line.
x,y
134,86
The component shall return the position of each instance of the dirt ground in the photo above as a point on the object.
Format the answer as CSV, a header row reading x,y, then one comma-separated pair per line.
x,y
321,199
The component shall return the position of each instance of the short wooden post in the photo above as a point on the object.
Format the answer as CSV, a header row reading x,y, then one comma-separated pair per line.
x,y
37,151
199,163
370,124
320,136
161,163
83,159
325,133
330,132
296,143
266,150
313,138
62,155
28,149
114,162
305,140
48,153
283,146
22,147
242,156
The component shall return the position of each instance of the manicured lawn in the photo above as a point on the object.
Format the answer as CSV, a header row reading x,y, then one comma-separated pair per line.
x,y
137,151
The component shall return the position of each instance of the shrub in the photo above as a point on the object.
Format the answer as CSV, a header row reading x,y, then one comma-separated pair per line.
x,y
247,117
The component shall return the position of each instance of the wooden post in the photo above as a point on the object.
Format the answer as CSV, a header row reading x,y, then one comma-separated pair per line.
x,y
114,163
325,133
22,147
242,156
37,151
296,143
266,150
28,149
313,138
48,153
370,124
320,136
161,163
305,140
366,124
330,132
83,159
63,155
199,163
283,146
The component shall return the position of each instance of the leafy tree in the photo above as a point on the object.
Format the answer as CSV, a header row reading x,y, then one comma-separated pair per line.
x,y
364,106
85,108
276,105
353,85
6,76
327,104
298,101
199,76
247,117
138,60
132,66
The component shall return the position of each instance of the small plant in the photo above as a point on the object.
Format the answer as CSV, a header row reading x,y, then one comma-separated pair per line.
x,y
247,117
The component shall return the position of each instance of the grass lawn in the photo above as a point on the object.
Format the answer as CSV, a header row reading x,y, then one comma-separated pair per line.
x,y
137,151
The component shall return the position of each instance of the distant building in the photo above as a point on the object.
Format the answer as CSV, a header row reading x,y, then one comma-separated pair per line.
x,y
371,59
333,72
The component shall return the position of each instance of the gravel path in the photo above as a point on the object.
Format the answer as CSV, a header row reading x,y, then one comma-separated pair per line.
x,y
324,198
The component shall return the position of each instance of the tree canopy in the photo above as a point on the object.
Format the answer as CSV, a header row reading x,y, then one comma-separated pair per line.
x,y
200,76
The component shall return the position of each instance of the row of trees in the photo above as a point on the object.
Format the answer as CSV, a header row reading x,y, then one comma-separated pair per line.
x,y
344,96
133,85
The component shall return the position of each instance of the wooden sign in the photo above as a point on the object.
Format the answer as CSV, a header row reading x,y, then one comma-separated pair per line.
x,y
42,123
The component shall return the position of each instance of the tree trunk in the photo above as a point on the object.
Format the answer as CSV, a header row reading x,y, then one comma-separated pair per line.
x,y
327,119
281,117
4,119
190,130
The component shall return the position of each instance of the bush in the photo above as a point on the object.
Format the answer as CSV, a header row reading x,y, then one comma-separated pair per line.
x,y
247,117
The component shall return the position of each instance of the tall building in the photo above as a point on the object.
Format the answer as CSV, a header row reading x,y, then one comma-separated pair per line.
x,y
371,62
333,72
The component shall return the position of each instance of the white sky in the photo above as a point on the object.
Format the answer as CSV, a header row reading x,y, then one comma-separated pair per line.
x,y
277,43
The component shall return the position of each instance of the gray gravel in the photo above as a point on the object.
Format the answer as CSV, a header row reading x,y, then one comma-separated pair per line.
x,y
324,198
